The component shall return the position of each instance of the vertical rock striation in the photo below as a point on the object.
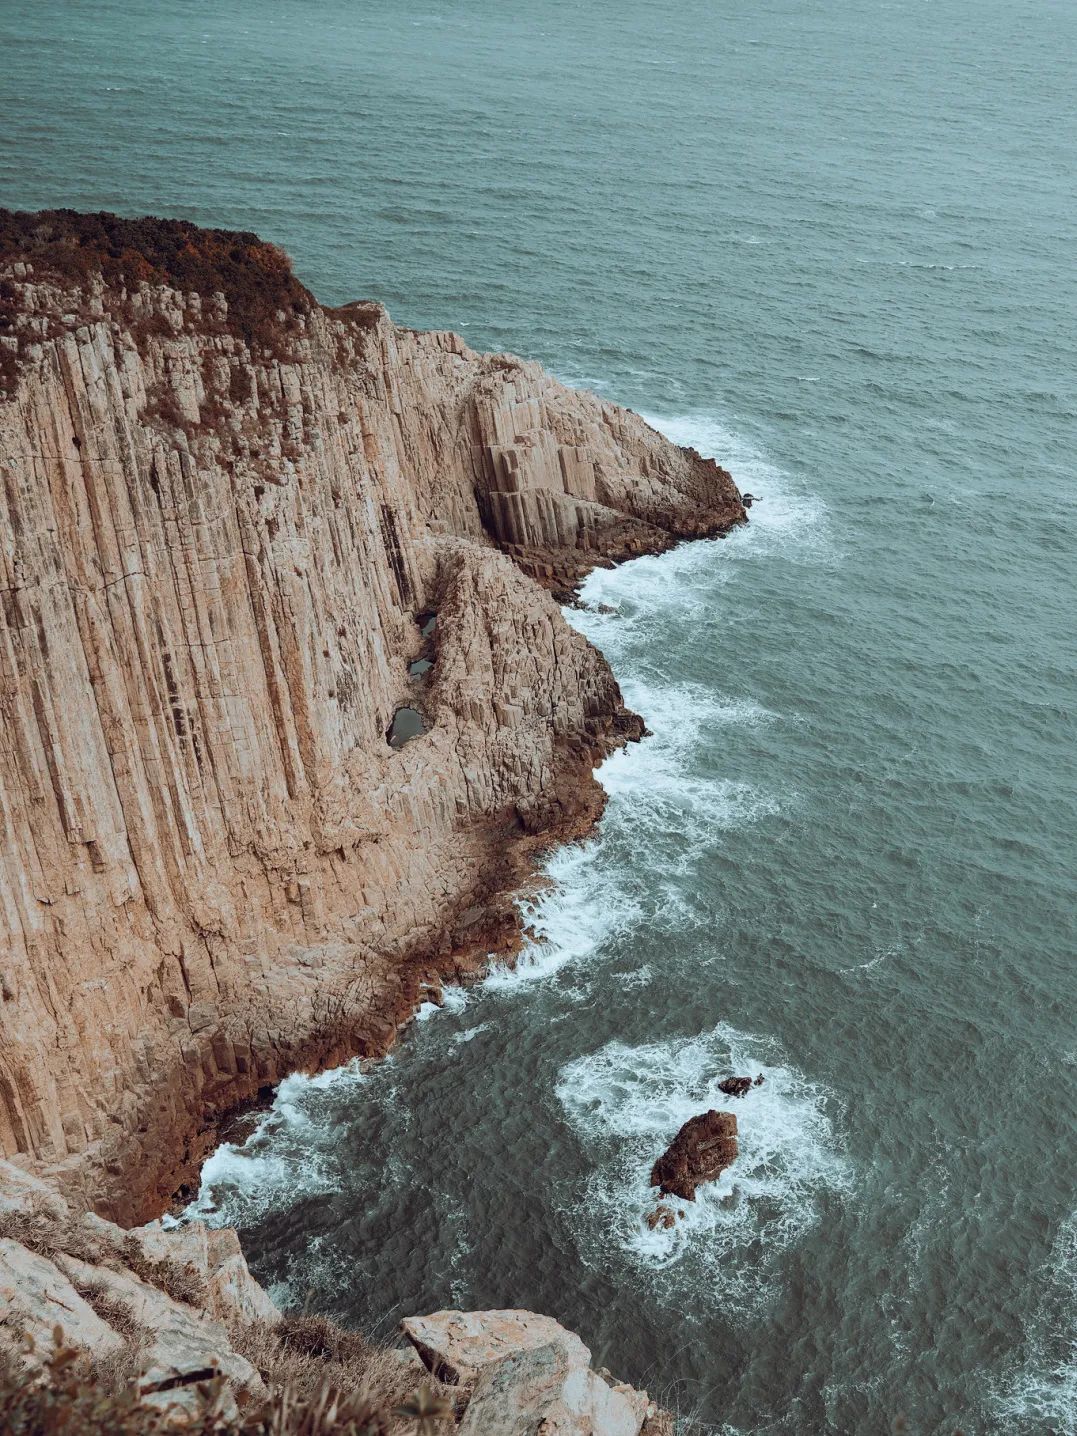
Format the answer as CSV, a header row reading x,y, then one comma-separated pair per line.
x,y
222,510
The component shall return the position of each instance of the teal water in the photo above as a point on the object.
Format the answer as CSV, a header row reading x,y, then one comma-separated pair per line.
x,y
831,243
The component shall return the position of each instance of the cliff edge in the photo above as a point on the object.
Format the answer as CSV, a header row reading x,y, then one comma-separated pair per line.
x,y
228,516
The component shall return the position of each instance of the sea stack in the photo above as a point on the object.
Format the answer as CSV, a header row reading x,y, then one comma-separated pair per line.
x,y
700,1152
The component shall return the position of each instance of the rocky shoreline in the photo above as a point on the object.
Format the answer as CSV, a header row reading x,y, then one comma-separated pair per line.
x,y
144,1331
229,517
226,506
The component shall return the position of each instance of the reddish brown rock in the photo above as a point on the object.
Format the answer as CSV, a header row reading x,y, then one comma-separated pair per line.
x,y
222,508
700,1152
735,1086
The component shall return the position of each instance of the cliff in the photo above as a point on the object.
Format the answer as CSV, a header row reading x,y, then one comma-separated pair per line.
x,y
226,516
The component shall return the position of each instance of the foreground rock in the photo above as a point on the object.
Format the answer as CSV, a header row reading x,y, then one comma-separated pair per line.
x,y
224,509
456,1345
172,1315
700,1152
163,1302
528,1374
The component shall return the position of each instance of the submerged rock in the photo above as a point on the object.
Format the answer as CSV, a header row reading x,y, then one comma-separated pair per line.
x,y
662,1216
700,1152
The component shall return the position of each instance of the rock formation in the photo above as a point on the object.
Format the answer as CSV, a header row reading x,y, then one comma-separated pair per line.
x,y
700,1152
525,1374
735,1086
94,1282
173,1312
223,509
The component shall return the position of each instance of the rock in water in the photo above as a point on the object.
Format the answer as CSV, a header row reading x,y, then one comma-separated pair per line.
x,y
700,1152
735,1086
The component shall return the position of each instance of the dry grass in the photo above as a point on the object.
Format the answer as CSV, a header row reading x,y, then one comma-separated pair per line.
x,y
49,1236
302,1353
72,1400
175,1279
42,1233
322,1380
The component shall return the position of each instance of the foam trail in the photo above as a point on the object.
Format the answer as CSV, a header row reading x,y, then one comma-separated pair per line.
x,y
280,1160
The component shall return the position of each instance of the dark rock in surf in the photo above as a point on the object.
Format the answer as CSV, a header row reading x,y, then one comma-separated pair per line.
x,y
735,1086
700,1152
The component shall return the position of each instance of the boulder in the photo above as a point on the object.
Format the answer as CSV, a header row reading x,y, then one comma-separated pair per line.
x,y
184,1247
735,1086
658,1423
456,1345
540,1389
233,1295
662,1216
700,1152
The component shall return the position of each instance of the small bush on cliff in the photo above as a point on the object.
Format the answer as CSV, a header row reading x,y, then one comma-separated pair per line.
x,y
302,1353
255,277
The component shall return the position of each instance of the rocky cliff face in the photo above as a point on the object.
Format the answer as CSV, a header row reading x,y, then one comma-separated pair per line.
x,y
225,515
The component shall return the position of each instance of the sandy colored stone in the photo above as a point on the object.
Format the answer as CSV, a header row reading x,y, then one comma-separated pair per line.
x,y
36,1296
181,1342
23,1194
540,1389
214,869
456,1345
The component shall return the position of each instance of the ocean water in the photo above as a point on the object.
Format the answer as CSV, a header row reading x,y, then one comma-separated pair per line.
x,y
830,242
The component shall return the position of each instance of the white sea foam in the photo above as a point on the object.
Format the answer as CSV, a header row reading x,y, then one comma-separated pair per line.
x,y
570,921
453,999
1042,1394
470,1033
785,518
240,1181
627,1103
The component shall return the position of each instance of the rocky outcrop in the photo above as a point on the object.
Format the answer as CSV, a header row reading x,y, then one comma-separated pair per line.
x,y
700,1152
222,510
527,1373
173,1315
164,1303
456,1345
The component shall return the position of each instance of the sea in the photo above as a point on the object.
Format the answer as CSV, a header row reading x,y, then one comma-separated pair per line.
x,y
831,243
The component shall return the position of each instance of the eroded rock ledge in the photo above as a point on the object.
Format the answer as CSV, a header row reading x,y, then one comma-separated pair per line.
x,y
223,508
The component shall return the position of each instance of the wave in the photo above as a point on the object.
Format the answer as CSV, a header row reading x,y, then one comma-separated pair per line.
x,y
280,1161
627,1103
1041,1395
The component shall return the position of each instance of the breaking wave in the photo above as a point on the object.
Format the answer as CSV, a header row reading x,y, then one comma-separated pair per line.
x,y
627,1103
1042,1394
